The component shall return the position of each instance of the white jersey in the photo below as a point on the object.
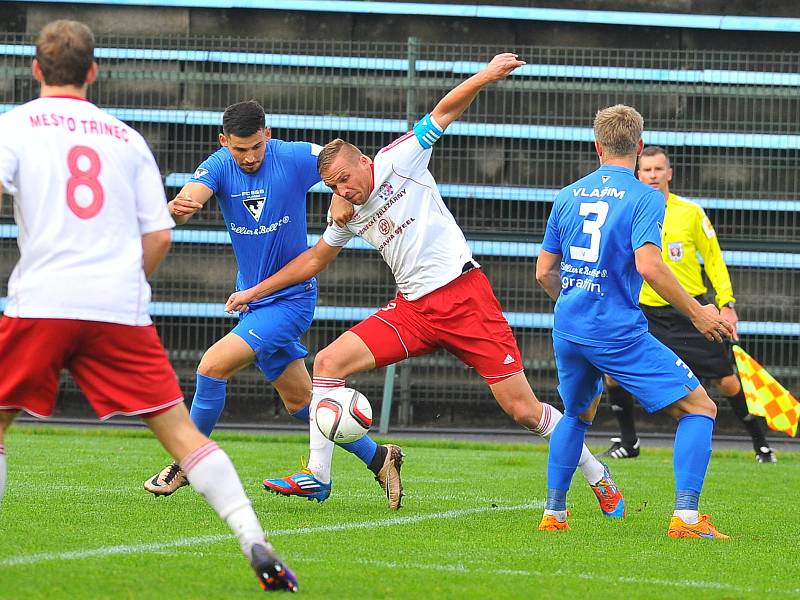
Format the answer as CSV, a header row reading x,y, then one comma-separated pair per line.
x,y
86,189
406,220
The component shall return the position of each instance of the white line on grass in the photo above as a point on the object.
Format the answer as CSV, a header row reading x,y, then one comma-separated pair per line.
x,y
483,571
29,559
159,547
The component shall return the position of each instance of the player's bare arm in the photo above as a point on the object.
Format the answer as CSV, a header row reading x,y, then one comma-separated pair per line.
x,y
460,97
548,273
155,246
189,200
706,318
303,267
341,211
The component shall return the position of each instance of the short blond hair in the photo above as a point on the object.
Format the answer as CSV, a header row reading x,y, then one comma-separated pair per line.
x,y
331,150
619,129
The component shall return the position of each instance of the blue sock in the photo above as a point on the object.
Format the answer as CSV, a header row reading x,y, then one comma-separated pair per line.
x,y
690,458
566,444
301,415
208,402
364,448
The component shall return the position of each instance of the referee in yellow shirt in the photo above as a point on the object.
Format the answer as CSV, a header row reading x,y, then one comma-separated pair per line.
x,y
687,233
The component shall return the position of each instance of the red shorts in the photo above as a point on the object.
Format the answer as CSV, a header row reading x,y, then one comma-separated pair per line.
x,y
122,369
463,317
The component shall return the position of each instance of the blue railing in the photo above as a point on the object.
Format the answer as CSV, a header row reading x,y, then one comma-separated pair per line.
x,y
351,314
733,258
698,76
481,11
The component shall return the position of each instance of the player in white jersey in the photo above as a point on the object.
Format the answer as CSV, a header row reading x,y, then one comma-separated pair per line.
x,y
444,299
93,226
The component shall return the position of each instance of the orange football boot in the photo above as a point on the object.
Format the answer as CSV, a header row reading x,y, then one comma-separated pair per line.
x,y
702,529
550,523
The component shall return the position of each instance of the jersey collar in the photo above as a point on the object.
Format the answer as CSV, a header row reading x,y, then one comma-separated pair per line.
x,y
616,168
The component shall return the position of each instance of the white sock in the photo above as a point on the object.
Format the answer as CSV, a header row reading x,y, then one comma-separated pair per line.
x,y
2,471
320,448
560,515
690,517
591,468
212,473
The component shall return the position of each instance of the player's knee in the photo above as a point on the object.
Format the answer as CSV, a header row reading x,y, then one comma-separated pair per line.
x,y
327,364
705,406
212,366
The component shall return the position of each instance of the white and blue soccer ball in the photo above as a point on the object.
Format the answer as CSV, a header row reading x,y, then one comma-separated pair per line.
x,y
343,415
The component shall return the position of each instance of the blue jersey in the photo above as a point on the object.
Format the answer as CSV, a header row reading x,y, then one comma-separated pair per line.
x,y
265,211
596,225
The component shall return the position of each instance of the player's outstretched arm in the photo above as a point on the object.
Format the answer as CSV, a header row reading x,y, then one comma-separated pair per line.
x,y
548,273
189,200
155,246
706,319
460,97
303,267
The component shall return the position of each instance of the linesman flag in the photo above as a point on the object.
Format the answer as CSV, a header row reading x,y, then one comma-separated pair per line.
x,y
765,396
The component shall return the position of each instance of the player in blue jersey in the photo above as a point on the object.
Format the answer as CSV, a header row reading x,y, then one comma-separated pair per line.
x,y
603,236
260,184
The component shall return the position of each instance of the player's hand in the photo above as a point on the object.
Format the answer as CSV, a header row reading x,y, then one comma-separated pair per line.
x,y
710,323
238,301
183,206
729,314
502,65
341,211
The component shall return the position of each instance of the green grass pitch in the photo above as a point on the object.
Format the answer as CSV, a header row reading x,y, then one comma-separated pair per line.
x,y
76,523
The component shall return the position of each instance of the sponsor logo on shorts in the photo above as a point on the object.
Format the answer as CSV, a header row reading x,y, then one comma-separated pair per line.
x,y
254,334
508,360
675,250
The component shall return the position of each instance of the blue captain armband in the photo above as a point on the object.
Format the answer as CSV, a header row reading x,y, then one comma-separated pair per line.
x,y
427,131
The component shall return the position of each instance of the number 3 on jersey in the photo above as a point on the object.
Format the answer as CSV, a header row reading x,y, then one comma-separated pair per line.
x,y
592,228
84,177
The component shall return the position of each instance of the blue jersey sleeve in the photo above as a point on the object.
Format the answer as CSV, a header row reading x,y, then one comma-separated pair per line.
x,y
209,173
427,131
305,157
552,239
648,220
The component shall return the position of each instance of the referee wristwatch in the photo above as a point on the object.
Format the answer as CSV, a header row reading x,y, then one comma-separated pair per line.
x,y
730,304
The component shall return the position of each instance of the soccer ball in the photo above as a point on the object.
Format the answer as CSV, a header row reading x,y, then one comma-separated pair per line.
x,y
344,415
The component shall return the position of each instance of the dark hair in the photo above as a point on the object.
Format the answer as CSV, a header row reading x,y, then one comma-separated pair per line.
x,y
243,119
65,52
654,151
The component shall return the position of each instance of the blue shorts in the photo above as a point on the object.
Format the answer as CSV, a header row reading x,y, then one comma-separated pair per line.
x,y
273,331
646,368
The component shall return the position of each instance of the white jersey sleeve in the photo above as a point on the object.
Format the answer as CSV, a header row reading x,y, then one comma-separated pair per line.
x,y
337,236
8,158
151,202
410,154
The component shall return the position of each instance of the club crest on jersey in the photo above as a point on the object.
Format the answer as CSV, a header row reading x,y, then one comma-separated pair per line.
x,y
254,206
675,250
385,226
199,173
385,190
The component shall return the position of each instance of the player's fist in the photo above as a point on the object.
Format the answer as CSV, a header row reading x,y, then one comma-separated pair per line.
x,y
341,211
710,323
183,206
502,65
237,301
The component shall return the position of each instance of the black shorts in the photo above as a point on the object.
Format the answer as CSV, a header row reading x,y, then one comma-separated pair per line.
x,y
709,360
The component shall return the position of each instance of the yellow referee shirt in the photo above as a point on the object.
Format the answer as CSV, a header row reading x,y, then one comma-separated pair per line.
x,y
688,235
